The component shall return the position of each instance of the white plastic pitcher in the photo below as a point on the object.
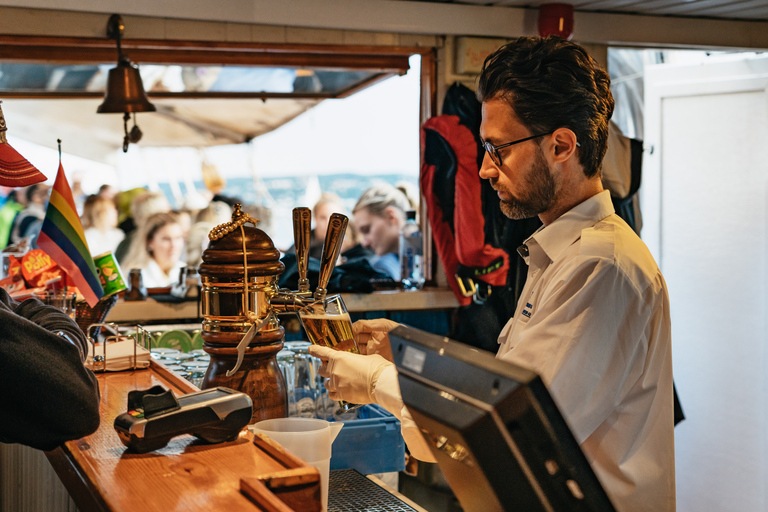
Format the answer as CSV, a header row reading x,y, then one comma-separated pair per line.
x,y
308,438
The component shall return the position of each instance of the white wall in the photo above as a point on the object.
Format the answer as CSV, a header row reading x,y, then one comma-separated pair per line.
x,y
705,207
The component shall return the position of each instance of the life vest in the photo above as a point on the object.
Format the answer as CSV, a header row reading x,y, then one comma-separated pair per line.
x,y
475,241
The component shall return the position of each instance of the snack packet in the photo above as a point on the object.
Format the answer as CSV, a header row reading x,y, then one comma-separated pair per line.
x,y
14,281
38,268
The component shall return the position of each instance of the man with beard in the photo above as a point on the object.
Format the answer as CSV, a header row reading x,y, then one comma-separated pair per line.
x,y
593,319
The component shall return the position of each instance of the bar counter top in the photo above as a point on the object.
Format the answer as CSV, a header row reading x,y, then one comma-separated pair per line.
x,y
186,475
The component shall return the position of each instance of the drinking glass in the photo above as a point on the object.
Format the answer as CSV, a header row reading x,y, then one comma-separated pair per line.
x,y
328,324
65,301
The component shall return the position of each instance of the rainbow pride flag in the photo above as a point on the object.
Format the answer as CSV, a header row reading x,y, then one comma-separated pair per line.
x,y
62,237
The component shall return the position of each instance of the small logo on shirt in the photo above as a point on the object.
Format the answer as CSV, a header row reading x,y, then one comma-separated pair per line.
x,y
528,310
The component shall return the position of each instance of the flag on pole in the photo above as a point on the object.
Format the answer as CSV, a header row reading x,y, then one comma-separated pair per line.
x,y
62,237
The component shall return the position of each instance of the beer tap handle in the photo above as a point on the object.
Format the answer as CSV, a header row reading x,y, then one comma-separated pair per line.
x,y
302,227
337,228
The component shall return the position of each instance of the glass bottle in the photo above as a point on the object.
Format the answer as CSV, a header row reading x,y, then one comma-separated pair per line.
x,y
411,272
136,290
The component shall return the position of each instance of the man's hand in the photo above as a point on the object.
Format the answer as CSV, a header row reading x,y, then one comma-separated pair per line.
x,y
350,377
373,336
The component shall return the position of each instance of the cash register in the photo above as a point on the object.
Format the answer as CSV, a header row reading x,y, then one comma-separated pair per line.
x,y
498,437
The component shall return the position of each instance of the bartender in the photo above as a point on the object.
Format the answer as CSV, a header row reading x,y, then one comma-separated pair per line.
x,y
49,397
593,319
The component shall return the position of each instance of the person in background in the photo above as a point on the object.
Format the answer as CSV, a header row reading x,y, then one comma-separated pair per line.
x,y
123,201
215,213
261,213
378,217
100,223
49,396
142,207
107,191
328,204
76,186
28,223
184,217
593,320
157,249
13,205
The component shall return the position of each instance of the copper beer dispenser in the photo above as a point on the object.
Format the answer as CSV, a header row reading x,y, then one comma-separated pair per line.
x,y
240,300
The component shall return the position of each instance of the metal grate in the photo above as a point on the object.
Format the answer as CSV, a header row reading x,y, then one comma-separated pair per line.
x,y
348,490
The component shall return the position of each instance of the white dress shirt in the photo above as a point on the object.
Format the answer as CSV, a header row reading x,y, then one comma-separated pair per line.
x,y
593,321
152,275
100,242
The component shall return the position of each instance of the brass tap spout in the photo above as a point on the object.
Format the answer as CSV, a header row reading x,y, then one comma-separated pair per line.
x,y
302,229
337,228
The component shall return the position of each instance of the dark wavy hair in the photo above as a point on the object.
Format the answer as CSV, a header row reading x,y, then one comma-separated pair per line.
x,y
552,83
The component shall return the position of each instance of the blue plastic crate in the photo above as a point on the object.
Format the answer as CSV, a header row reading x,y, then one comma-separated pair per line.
x,y
370,444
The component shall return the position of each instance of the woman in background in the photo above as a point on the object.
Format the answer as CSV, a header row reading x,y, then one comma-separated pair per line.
x,y
378,217
100,223
142,205
157,250
217,212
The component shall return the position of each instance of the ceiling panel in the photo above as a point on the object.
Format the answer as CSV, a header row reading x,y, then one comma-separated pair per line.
x,y
723,9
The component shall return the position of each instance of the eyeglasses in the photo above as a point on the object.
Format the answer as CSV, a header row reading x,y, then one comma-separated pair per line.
x,y
493,151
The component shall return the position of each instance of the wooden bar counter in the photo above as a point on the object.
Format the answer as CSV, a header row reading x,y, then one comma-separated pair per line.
x,y
186,475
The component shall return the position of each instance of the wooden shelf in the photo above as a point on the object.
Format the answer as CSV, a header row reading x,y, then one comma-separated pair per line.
x,y
149,311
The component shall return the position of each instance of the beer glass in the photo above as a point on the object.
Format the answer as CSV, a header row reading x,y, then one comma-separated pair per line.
x,y
327,323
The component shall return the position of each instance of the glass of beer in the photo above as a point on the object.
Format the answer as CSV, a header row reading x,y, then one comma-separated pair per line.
x,y
329,325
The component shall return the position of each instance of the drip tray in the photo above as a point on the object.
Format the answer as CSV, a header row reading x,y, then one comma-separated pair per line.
x,y
349,491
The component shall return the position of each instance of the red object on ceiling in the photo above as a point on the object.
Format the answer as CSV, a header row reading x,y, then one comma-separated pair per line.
x,y
556,20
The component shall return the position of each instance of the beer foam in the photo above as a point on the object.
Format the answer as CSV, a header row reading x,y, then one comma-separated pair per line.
x,y
333,318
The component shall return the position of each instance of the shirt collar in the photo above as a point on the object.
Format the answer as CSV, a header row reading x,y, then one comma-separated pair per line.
x,y
566,229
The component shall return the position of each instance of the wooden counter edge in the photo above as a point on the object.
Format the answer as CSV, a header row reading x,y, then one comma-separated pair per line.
x,y
83,493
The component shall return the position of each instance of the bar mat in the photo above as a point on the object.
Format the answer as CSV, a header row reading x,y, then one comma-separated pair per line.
x,y
348,491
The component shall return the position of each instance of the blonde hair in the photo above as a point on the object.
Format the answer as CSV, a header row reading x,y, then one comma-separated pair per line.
x,y
148,203
217,212
94,209
327,198
380,197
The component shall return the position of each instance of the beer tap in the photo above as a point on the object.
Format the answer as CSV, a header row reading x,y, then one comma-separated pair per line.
x,y
287,300
334,237
240,302
302,229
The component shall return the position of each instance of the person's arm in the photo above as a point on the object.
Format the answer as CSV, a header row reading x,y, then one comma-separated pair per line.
x,y
49,396
371,378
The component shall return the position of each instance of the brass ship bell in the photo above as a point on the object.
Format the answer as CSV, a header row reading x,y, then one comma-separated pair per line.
x,y
240,301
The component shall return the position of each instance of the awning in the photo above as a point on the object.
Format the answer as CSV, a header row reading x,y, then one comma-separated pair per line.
x,y
177,123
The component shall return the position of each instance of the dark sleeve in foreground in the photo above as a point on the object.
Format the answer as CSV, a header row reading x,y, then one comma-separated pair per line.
x,y
48,396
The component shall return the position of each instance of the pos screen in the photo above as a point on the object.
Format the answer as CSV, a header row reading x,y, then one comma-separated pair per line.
x,y
496,433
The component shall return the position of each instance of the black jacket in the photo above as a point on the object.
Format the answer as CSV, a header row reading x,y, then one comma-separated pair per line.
x,y
48,396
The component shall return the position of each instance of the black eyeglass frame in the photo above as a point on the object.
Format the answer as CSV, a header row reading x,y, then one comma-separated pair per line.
x,y
493,151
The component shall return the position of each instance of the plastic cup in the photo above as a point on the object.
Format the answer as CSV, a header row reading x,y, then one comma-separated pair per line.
x,y
307,438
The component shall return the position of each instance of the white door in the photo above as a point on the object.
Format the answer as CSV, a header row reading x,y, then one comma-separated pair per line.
x,y
705,205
